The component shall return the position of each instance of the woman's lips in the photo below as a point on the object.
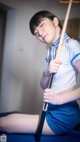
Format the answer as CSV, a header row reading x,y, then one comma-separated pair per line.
x,y
44,38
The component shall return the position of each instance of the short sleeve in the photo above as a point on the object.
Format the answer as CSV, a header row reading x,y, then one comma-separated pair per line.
x,y
74,50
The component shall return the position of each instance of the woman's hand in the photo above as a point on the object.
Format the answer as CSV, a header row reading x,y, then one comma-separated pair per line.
x,y
54,66
50,96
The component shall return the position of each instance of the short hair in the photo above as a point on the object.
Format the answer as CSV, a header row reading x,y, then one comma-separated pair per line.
x,y
38,17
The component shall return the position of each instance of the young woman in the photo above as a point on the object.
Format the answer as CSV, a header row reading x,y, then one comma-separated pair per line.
x,y
63,111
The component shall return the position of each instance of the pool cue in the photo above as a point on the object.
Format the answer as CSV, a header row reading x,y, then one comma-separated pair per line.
x,y
45,105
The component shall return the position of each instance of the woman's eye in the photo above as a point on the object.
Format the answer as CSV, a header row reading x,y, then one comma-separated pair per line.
x,y
41,24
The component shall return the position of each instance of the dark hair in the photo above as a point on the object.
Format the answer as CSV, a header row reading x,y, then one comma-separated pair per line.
x,y
38,17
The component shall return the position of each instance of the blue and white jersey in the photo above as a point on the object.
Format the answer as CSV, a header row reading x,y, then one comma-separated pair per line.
x,y
66,77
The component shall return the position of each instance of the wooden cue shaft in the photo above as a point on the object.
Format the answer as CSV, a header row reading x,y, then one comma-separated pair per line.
x,y
64,29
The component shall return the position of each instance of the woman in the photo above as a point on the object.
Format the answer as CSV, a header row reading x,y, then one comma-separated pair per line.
x,y
63,111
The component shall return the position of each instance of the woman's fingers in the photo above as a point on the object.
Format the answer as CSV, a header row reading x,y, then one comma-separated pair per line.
x,y
48,95
54,65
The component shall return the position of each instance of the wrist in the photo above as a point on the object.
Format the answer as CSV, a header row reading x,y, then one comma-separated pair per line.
x,y
59,99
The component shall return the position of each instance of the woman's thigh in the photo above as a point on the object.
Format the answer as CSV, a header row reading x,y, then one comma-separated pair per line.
x,y
23,123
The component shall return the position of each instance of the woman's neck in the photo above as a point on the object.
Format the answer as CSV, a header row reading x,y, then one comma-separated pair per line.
x,y
58,33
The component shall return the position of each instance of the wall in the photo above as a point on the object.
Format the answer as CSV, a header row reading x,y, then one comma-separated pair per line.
x,y
24,56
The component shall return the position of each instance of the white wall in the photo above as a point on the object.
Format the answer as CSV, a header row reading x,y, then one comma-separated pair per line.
x,y
24,56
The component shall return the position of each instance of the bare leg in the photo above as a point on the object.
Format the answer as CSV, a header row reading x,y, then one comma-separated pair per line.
x,y
23,123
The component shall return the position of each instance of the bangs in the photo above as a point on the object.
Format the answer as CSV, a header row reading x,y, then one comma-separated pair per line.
x,y
35,21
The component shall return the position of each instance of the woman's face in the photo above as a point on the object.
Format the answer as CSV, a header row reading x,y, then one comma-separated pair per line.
x,y
46,31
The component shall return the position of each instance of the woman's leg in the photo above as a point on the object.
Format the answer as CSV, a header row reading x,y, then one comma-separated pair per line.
x,y
23,123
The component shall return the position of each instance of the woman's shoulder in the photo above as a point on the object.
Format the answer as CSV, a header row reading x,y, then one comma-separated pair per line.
x,y
73,45
73,42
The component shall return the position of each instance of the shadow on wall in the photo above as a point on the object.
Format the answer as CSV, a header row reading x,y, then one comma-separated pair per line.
x,y
31,103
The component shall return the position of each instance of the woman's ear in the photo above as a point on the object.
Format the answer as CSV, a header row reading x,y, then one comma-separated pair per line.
x,y
55,21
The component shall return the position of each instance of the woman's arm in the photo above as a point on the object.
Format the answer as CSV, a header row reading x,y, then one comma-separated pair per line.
x,y
77,66
51,97
68,97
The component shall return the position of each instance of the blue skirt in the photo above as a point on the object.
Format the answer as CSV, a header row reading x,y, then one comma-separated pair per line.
x,y
63,118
